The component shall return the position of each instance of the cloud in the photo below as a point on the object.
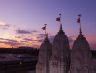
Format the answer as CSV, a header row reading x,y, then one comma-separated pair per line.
x,y
34,31
19,31
39,36
32,40
23,31
18,37
28,39
4,25
10,42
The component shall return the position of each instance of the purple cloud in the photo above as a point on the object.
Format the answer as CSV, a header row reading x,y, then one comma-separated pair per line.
x,y
40,36
34,31
30,39
9,42
19,31
4,26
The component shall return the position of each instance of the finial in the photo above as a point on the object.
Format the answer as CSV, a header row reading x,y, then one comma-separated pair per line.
x,y
46,38
79,15
47,35
79,22
60,26
80,31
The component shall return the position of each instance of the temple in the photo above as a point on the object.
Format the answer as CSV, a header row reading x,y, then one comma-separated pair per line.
x,y
57,57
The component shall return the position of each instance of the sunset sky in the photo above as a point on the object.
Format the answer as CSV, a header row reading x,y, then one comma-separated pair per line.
x,y
21,20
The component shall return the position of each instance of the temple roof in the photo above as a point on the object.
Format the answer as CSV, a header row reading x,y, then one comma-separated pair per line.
x,y
81,42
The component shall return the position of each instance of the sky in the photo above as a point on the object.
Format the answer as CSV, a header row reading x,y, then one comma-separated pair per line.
x,y
21,20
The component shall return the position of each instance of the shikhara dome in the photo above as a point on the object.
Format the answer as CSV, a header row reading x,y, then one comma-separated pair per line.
x,y
60,46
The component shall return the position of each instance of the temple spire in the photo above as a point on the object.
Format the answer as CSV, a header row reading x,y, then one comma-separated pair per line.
x,y
80,30
60,26
79,22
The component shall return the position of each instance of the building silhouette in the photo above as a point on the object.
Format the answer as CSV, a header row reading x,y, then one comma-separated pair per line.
x,y
59,58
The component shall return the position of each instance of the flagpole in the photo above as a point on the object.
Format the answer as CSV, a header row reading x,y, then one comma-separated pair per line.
x,y
45,29
80,29
60,17
79,21
60,20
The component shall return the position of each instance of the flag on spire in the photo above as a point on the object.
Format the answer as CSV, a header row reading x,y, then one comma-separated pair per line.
x,y
44,28
58,18
78,20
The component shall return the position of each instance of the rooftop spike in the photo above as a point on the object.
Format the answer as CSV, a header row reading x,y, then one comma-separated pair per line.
x,y
79,22
80,30
60,26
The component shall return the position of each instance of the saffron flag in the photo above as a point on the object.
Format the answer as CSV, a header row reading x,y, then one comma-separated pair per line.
x,y
78,20
58,19
44,28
